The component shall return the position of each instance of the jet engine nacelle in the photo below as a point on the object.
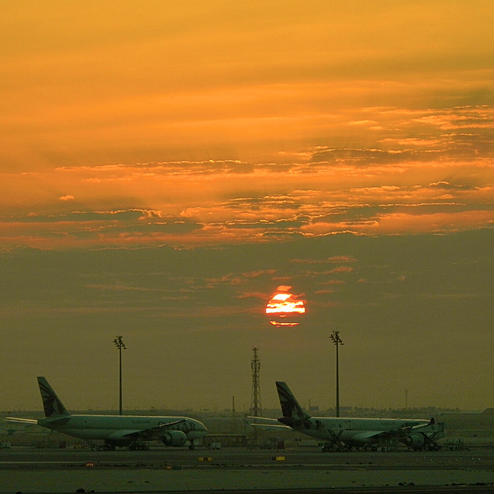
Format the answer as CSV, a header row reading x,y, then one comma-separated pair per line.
x,y
174,438
416,440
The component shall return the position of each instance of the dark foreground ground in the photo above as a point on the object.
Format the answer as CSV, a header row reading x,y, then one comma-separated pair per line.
x,y
239,471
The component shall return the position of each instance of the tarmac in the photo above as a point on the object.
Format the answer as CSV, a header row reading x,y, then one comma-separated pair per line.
x,y
241,470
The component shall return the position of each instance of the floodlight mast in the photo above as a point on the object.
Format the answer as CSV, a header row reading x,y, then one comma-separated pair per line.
x,y
118,341
336,340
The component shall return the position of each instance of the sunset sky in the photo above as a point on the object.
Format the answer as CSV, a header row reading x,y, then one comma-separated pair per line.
x,y
164,166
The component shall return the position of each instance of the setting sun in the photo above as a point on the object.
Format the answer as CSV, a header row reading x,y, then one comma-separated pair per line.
x,y
284,307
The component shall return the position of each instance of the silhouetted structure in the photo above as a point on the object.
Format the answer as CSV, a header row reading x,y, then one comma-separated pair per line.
x,y
255,365
335,338
118,341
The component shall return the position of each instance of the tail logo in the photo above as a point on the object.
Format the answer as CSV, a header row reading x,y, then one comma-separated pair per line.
x,y
51,404
289,405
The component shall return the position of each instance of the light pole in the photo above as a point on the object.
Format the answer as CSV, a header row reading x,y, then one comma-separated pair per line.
x,y
118,341
335,338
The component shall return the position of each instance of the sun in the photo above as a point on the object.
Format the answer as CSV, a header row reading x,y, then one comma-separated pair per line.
x,y
285,308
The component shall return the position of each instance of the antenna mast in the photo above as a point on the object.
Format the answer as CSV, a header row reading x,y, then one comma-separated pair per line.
x,y
255,365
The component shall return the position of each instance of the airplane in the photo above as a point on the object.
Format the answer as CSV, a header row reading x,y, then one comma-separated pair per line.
x,y
347,433
116,430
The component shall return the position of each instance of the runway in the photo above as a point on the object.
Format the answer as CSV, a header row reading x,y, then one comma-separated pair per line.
x,y
239,470
17,457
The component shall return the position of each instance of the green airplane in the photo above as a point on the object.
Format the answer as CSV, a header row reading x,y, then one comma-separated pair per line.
x,y
116,430
346,433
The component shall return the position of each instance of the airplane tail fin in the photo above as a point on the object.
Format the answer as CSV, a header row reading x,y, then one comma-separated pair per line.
x,y
292,411
51,403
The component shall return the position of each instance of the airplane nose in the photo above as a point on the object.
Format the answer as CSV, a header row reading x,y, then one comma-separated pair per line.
x,y
197,431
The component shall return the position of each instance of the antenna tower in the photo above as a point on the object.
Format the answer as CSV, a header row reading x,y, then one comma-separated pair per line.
x,y
255,365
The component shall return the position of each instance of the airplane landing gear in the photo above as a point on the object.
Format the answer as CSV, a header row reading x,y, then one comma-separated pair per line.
x,y
138,446
335,446
108,446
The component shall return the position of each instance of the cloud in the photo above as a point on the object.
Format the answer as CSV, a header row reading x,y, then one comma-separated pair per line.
x,y
399,223
332,282
443,184
305,204
332,259
323,292
412,141
363,122
240,278
256,295
372,156
342,259
341,269
120,287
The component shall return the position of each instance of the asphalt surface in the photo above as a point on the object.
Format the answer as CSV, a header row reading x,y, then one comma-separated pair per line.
x,y
242,471
16,457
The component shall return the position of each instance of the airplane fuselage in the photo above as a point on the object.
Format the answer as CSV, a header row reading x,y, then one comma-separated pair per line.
x,y
115,427
358,430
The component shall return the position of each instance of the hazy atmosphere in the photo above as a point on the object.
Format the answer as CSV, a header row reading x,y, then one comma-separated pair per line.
x,y
165,167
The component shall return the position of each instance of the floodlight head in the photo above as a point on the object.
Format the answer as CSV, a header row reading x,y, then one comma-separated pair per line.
x,y
118,341
335,338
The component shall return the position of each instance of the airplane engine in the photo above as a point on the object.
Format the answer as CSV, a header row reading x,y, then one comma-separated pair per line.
x,y
174,438
416,440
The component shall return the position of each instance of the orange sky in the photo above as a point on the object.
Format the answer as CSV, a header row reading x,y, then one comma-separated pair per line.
x,y
199,121
164,166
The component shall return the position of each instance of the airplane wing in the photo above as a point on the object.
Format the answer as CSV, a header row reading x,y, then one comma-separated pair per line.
x,y
369,436
19,420
366,436
261,420
418,427
266,423
147,434
272,427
